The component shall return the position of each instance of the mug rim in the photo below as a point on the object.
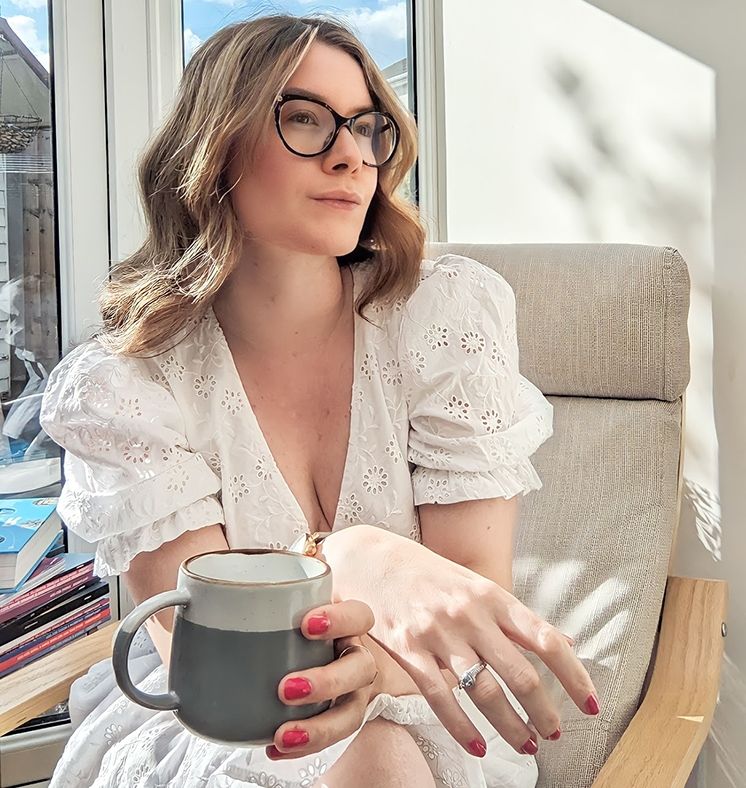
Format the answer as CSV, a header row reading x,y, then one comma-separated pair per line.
x,y
253,551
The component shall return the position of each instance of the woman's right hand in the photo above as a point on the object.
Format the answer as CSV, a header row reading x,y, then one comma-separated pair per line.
x,y
432,614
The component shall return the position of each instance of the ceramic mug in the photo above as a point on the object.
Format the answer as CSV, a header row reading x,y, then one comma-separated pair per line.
x,y
236,634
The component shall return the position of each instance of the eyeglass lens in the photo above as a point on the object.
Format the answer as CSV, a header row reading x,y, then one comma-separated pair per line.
x,y
307,128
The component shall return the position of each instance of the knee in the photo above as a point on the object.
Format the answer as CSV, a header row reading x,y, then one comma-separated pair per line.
x,y
386,755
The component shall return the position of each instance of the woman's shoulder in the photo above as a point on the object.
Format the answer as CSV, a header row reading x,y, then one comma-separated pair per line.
x,y
98,382
454,292
459,277
94,359
454,277
93,362
90,359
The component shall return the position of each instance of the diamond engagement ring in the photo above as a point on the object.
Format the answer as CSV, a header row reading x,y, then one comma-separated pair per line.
x,y
469,677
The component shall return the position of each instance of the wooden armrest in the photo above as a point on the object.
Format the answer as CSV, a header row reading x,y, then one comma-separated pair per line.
x,y
661,744
32,690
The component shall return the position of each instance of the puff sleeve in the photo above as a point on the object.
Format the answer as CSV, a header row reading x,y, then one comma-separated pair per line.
x,y
131,480
474,419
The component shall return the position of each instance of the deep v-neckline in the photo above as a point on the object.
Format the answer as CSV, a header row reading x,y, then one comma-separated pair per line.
x,y
257,429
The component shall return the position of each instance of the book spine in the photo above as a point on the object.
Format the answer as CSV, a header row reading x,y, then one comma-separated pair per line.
x,y
47,564
45,593
17,628
21,660
47,631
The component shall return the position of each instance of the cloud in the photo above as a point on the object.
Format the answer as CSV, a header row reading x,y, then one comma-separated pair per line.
x,y
191,42
25,28
390,20
29,5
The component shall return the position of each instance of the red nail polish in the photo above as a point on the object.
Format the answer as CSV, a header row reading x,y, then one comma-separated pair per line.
x,y
591,705
478,748
317,625
530,748
273,752
556,735
297,688
294,738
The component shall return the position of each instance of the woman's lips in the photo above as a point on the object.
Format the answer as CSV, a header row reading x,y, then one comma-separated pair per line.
x,y
344,205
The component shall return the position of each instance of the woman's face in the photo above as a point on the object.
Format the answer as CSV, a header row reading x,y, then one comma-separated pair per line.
x,y
275,200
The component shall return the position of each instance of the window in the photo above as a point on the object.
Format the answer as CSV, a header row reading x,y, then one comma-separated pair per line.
x,y
29,337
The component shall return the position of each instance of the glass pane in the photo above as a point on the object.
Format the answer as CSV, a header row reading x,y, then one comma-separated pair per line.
x,y
386,33
29,345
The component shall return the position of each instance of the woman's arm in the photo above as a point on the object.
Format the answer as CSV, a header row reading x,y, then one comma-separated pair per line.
x,y
156,571
475,534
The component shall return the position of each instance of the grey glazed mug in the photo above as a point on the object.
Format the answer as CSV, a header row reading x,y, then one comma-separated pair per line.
x,y
236,634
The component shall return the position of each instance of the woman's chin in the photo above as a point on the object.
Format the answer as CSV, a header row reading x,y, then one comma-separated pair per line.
x,y
339,249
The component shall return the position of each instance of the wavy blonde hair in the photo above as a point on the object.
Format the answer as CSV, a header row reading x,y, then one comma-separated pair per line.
x,y
194,238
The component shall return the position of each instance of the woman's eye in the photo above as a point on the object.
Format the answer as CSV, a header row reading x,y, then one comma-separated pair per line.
x,y
302,116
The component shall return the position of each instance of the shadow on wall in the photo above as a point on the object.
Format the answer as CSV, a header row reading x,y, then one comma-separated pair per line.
x,y
604,167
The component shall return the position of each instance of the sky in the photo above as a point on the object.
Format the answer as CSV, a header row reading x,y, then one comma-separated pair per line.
x,y
380,24
29,21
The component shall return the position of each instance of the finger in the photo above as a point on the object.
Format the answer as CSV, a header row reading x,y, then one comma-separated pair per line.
x,y
522,679
303,737
340,619
355,670
489,697
534,634
434,688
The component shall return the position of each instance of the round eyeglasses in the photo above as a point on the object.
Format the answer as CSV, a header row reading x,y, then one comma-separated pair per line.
x,y
308,127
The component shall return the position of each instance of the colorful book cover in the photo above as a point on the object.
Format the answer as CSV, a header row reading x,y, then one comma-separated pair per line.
x,y
32,639
16,628
29,528
49,569
45,593
55,642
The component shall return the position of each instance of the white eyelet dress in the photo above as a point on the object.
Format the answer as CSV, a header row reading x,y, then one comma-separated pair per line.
x,y
159,446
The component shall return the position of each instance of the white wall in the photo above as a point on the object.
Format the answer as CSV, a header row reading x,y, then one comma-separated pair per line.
x,y
572,123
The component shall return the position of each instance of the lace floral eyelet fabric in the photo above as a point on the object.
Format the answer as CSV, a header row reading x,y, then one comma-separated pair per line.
x,y
159,446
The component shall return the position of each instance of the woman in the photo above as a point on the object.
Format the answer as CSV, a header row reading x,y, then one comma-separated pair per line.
x,y
239,397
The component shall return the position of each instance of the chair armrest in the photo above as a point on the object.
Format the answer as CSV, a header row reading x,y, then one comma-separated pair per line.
x,y
32,690
661,744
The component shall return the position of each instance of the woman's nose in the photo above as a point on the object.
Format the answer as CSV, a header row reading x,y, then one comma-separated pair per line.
x,y
345,147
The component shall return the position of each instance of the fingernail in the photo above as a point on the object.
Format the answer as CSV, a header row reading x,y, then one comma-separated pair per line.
x,y
591,705
569,639
317,625
478,748
555,735
297,688
273,752
530,748
294,738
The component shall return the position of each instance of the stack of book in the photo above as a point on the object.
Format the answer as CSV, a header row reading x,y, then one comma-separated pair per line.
x,y
57,598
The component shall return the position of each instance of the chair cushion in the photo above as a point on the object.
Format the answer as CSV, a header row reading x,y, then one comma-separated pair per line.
x,y
592,558
596,320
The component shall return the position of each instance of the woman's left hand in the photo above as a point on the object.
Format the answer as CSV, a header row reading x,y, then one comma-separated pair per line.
x,y
349,681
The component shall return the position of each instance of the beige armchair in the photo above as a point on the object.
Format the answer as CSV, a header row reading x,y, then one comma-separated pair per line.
x,y
602,332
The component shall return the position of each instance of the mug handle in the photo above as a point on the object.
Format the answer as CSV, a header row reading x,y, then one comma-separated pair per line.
x,y
126,631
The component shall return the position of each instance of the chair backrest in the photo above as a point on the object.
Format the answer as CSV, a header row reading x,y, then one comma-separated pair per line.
x,y
602,331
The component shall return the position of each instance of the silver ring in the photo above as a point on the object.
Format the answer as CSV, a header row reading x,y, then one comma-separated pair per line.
x,y
469,677
356,645
367,650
